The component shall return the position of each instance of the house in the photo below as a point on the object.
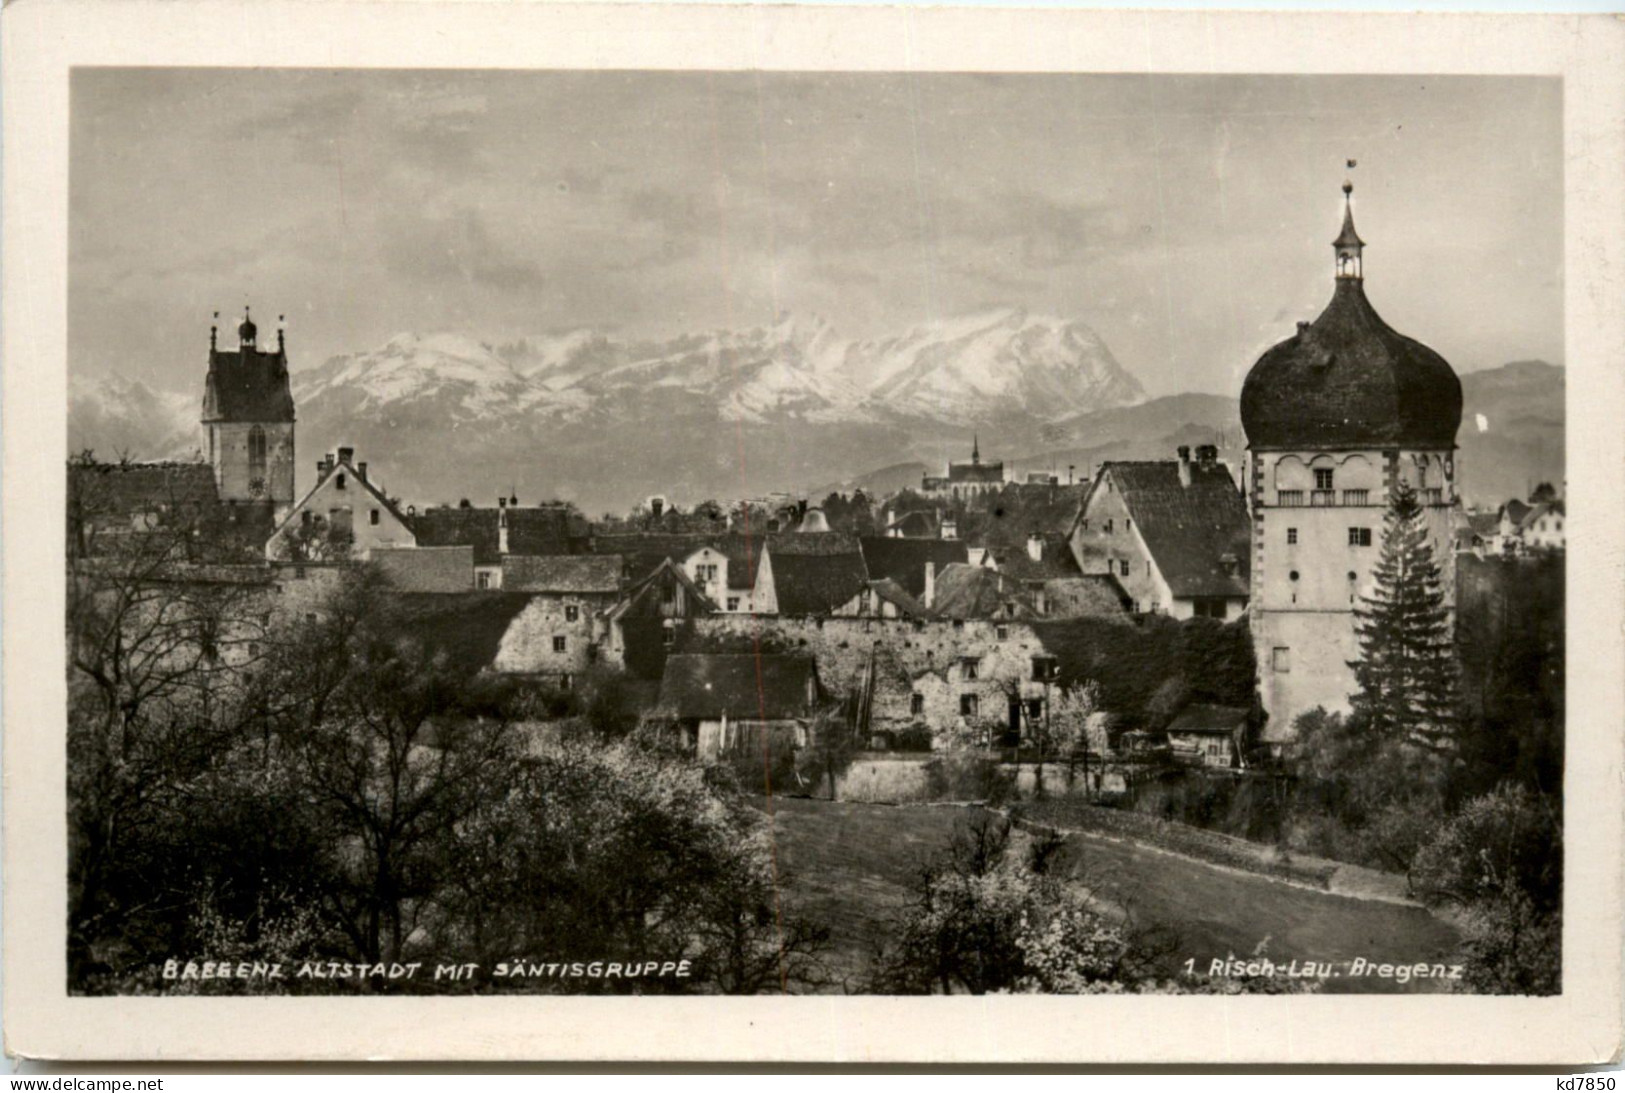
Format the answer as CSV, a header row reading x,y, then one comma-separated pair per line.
x,y
1479,533
812,573
1056,586
1174,533
643,625
726,568
496,533
918,524
563,629
343,517
724,703
911,563
1208,736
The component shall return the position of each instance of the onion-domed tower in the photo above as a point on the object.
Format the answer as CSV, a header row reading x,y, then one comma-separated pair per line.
x,y
1335,416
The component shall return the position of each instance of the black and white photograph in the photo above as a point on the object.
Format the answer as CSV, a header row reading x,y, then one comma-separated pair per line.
x,y
559,532
868,533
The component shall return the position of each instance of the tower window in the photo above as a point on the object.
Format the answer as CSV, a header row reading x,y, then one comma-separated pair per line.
x,y
373,519
1291,536
256,452
1323,478
1360,537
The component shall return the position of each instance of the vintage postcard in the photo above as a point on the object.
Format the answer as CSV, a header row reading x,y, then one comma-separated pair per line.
x,y
835,535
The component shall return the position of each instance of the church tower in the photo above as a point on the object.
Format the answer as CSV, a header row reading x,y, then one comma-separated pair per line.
x,y
1335,417
248,419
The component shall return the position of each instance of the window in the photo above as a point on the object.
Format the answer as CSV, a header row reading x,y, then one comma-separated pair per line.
x,y
916,704
1323,478
571,612
668,594
1122,567
1108,527
338,483
558,644
256,452
1035,709
1208,608
968,705
373,519
565,681
1291,536
959,624
969,667
706,573
1281,658
1128,524
669,635
1359,536
1046,669
482,580
1002,631
733,603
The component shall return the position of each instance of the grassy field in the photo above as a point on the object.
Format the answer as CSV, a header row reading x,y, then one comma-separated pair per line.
x,y
849,865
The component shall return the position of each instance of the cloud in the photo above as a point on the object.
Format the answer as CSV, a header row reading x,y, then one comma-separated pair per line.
x,y
459,247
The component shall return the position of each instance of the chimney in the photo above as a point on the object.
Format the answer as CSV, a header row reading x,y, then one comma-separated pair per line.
x,y
1207,455
1071,468
1035,547
1184,465
949,528
502,502
346,454
1303,326
930,597
502,525
361,470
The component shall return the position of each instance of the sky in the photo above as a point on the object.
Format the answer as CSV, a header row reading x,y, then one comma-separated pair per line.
x,y
1187,219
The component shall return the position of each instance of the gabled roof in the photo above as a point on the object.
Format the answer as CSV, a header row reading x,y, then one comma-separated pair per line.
x,y
903,560
247,385
746,686
582,574
1545,508
1187,529
975,592
1515,510
815,572
1085,594
467,627
642,598
549,529
1228,720
366,484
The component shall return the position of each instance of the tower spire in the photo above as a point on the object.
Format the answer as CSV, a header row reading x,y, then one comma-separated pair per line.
x,y
1348,243
975,448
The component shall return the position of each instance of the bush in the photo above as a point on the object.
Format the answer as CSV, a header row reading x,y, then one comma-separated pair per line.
x,y
967,776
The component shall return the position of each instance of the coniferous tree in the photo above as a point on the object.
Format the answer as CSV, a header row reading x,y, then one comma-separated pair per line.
x,y
1407,678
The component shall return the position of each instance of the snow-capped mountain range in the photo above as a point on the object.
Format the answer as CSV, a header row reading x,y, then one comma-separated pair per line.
x,y
958,371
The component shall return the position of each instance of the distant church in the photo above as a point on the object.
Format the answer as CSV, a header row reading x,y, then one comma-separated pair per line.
x,y
1335,416
965,480
248,421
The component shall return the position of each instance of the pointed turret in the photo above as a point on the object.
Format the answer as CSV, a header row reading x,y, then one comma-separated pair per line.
x,y
1348,243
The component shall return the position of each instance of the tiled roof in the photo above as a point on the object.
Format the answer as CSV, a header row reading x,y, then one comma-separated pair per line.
x,y
1080,595
467,627
903,560
642,599
247,385
1188,529
889,591
815,573
919,524
747,686
643,551
1349,380
549,530
584,574
125,489
426,569
975,592
1055,560
1204,718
